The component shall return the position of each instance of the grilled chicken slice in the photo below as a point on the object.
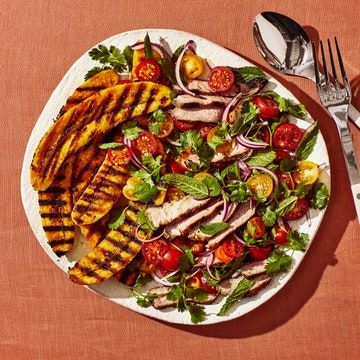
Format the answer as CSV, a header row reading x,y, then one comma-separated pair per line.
x,y
189,102
101,194
254,269
204,115
182,227
89,119
100,81
201,87
236,152
55,205
243,213
112,254
260,283
174,210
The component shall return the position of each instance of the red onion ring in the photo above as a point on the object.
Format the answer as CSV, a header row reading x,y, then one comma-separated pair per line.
x,y
225,210
173,142
209,262
146,240
264,169
189,45
229,106
242,140
248,154
158,48
193,274
134,159
308,218
162,280
241,241
206,253
236,274
245,170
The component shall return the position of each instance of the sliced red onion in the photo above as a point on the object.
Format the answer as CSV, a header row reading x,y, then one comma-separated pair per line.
x,y
242,140
225,210
308,218
160,49
229,107
248,154
271,173
209,262
281,224
189,45
173,142
239,239
176,247
134,159
206,253
193,273
146,240
244,169
162,280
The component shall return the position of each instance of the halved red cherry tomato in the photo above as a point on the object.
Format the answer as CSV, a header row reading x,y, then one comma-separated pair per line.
x,y
269,108
204,129
120,156
170,260
258,253
196,247
148,70
199,281
154,251
255,227
233,248
264,135
221,78
281,155
280,234
176,168
299,210
287,179
221,255
145,143
287,137
184,125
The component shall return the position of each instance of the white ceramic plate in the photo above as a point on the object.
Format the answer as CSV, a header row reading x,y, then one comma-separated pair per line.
x,y
115,291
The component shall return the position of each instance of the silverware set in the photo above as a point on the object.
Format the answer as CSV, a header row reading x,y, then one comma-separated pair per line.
x,y
287,48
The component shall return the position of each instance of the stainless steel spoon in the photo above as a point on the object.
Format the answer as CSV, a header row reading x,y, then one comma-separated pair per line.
x,y
286,47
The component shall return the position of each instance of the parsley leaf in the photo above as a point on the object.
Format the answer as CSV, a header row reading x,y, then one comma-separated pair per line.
x,y
297,240
247,73
269,216
153,164
112,56
319,196
238,191
95,70
191,139
145,192
156,120
117,218
143,300
197,313
131,130
278,261
214,228
263,158
241,289
220,136
307,142
174,294
144,221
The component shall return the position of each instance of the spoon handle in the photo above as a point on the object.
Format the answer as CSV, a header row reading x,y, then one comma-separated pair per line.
x,y
354,115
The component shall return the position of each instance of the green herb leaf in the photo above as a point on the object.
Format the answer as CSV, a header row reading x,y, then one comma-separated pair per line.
x,y
290,107
128,54
111,56
145,192
319,196
198,294
197,313
286,205
95,70
297,240
177,53
263,158
186,261
214,228
241,289
287,165
131,130
278,261
168,69
247,73
221,135
307,142
175,293
117,218
191,139
238,191
147,47
143,300
144,221
142,280
111,145
269,216
205,154
153,164
247,118
213,185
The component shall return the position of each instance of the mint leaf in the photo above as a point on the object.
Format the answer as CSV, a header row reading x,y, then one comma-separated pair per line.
x,y
246,120
297,240
131,130
307,142
214,228
247,73
117,218
263,158
319,196
239,292
278,261
290,107
145,192
286,205
111,145
147,47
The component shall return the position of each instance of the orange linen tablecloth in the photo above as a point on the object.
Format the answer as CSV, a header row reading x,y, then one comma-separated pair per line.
x,y
45,316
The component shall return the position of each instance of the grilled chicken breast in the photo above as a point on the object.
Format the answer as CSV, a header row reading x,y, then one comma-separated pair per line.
x,y
92,117
100,81
101,194
55,205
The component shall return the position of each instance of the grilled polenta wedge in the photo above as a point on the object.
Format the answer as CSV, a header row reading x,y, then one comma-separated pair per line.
x,y
112,254
100,81
55,210
95,232
92,117
101,194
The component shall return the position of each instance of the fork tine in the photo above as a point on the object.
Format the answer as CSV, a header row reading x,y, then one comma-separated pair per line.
x,y
333,65
316,66
326,74
342,67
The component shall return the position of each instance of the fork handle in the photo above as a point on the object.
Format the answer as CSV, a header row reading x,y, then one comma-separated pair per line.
x,y
354,115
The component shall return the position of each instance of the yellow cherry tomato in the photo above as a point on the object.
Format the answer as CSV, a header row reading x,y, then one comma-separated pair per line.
x,y
260,185
165,127
159,200
307,172
129,188
203,175
192,66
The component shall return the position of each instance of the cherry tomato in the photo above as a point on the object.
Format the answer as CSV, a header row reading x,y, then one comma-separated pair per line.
x,y
120,156
258,253
269,108
233,248
196,247
299,210
221,78
204,129
165,127
192,66
160,150
281,155
145,143
255,227
224,148
260,185
287,137
287,179
148,70
170,260
279,234
199,281
174,194
264,135
154,251
176,168
184,125
307,172
221,255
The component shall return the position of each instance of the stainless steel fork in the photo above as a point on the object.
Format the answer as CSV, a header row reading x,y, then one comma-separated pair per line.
x,y
336,100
